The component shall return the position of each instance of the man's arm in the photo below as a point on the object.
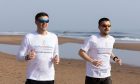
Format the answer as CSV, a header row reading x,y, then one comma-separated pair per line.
x,y
116,59
56,58
85,56
21,55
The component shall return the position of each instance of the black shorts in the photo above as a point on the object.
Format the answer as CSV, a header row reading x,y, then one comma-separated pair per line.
x,y
90,80
29,81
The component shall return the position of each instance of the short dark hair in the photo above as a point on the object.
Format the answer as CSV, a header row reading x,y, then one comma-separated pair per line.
x,y
103,19
41,14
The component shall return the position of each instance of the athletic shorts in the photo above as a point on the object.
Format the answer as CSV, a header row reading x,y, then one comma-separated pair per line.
x,y
29,81
90,80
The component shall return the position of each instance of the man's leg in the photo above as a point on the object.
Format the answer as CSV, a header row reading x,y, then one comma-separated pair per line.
x,y
47,82
29,81
90,80
107,81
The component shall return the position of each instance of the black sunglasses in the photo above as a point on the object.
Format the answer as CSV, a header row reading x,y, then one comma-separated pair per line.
x,y
43,21
106,25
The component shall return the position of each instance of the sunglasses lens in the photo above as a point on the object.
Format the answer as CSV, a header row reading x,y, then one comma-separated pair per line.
x,y
106,25
43,21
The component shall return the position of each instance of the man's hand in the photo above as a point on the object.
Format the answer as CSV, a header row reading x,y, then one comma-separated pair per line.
x,y
97,63
118,61
31,55
56,60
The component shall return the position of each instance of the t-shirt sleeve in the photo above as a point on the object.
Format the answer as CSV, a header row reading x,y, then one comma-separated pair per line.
x,y
23,49
86,45
113,39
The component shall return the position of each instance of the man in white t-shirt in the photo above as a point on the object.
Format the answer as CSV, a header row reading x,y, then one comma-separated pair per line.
x,y
97,51
40,50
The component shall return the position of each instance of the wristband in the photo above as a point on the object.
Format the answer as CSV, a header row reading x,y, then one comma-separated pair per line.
x,y
26,57
115,58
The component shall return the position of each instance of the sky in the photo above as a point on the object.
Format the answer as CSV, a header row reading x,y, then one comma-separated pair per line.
x,y
70,15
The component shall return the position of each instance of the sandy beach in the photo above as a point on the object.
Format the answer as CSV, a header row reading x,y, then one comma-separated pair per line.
x,y
67,72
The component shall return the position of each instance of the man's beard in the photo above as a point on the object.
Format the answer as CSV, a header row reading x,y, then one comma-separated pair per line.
x,y
106,33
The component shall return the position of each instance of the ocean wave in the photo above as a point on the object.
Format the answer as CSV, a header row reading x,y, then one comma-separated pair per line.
x,y
129,39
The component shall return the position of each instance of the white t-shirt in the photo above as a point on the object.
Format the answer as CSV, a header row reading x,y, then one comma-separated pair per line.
x,y
46,47
99,48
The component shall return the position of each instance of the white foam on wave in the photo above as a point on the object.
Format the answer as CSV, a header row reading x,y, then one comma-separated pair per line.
x,y
128,39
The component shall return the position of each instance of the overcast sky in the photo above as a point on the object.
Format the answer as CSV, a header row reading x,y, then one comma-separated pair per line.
x,y
70,15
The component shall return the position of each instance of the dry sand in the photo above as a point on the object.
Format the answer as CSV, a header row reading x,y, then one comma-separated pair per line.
x,y
67,72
